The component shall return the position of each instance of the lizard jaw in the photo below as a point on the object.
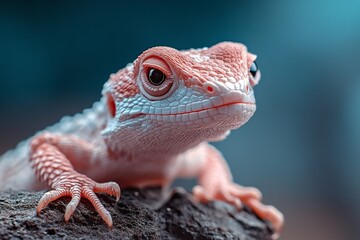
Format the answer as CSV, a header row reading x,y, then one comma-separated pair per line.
x,y
223,117
229,115
229,108
223,109
233,107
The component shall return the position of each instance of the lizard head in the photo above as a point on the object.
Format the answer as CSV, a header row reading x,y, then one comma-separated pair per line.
x,y
191,96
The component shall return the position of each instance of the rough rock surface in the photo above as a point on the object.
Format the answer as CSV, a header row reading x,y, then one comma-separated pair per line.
x,y
138,215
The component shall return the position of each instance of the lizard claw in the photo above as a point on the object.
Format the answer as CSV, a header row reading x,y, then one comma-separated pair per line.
x,y
91,196
48,197
237,195
269,213
110,188
202,196
75,199
77,186
231,193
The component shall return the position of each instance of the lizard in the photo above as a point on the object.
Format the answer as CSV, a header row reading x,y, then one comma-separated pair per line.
x,y
153,124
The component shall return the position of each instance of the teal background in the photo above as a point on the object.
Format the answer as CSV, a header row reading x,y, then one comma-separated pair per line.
x,y
301,148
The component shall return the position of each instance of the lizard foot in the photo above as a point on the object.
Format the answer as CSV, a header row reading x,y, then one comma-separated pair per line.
x,y
237,195
76,185
231,193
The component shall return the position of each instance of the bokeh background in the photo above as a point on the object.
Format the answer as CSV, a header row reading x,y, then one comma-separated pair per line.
x,y
302,147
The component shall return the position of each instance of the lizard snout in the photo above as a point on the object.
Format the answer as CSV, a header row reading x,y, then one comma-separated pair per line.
x,y
230,91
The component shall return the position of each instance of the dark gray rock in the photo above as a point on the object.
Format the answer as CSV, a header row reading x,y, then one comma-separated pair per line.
x,y
135,217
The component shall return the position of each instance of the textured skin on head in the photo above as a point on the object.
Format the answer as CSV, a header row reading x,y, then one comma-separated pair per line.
x,y
123,84
225,62
148,130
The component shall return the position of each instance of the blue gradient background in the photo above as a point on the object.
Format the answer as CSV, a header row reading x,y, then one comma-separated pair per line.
x,y
302,147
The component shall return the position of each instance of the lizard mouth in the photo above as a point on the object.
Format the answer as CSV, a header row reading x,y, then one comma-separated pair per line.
x,y
232,104
210,108
221,110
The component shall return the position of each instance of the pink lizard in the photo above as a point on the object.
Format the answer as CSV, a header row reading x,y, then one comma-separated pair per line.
x,y
152,125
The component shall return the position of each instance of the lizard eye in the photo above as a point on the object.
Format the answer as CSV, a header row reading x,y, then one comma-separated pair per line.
x,y
253,69
156,77
254,74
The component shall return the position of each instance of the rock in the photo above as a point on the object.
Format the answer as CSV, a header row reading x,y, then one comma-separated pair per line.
x,y
139,214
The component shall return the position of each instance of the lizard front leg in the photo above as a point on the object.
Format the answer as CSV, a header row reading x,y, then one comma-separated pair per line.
x,y
52,156
215,183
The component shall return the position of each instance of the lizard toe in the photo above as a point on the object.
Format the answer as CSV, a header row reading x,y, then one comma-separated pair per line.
x,y
111,188
50,196
91,196
244,192
269,213
226,196
200,194
75,199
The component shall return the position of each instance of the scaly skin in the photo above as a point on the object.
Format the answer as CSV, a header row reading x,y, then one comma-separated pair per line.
x,y
151,126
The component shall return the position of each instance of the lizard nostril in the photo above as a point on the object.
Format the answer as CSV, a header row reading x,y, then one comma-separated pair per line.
x,y
210,89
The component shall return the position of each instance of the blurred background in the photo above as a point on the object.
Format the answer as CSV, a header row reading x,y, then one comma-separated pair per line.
x,y
301,148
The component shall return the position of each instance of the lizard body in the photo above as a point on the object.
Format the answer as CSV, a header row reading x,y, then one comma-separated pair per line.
x,y
151,126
